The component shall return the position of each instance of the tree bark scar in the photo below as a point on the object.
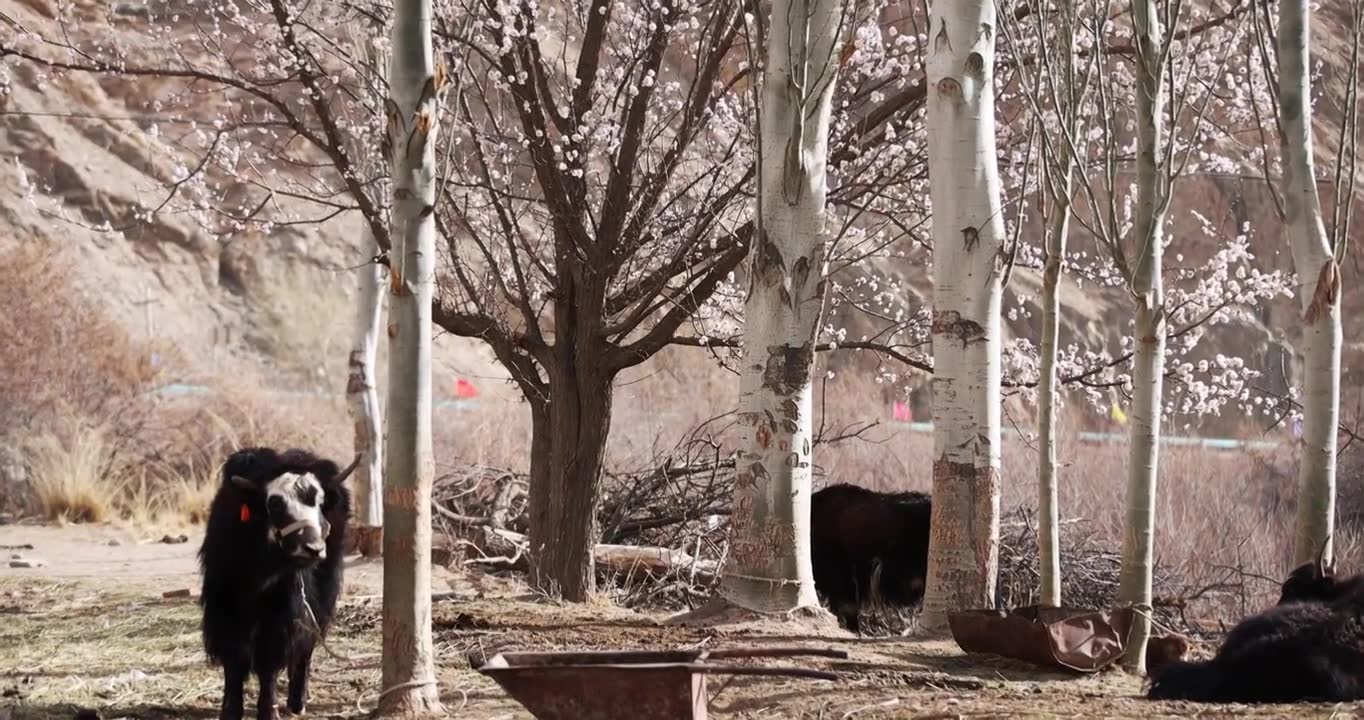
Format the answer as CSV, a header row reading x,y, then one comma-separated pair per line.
x,y
949,88
1325,294
355,382
788,368
942,39
800,272
970,238
975,66
768,264
951,323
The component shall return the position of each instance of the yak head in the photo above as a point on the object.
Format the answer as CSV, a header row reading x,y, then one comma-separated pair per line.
x,y
1312,581
293,490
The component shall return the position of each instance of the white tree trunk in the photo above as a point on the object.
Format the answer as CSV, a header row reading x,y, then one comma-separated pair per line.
x,y
362,400
409,679
1315,264
769,567
1049,542
968,233
1059,166
1148,361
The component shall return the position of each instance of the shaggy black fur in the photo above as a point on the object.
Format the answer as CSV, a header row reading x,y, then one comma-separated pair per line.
x,y
860,536
254,619
1313,581
1309,647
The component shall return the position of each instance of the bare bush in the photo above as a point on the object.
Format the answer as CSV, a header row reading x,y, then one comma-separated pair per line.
x,y
61,354
73,388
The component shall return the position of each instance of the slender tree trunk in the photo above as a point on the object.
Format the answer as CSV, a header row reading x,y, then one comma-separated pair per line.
x,y
563,528
769,566
1316,267
1148,361
409,673
362,399
968,233
1049,541
1057,159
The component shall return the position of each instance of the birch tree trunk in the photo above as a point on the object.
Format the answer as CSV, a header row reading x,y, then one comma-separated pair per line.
x,y
1049,542
1058,161
1315,263
409,679
362,400
968,232
1148,360
769,567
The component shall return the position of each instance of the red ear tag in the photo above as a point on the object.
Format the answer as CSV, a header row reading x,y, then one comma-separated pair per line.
x,y
246,513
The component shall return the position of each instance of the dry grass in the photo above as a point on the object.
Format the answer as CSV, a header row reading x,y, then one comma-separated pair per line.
x,y
126,653
69,473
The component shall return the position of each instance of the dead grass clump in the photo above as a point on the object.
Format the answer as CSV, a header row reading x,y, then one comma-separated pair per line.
x,y
70,473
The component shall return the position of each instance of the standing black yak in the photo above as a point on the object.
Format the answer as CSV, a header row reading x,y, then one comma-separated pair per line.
x,y
271,566
868,547
1308,647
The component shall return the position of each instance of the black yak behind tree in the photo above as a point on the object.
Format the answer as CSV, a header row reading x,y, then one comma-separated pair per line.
x,y
271,566
1318,581
868,547
1308,647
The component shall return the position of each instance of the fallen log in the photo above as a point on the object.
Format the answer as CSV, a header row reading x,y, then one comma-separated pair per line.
x,y
504,549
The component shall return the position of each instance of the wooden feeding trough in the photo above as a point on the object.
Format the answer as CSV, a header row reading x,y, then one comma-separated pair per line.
x,y
630,685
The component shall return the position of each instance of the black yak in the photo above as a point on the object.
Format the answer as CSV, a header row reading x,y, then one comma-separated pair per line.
x,y
272,571
1308,647
868,547
1317,581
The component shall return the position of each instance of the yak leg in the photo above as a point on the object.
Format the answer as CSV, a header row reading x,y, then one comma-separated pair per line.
x,y
299,670
271,652
852,618
234,682
266,704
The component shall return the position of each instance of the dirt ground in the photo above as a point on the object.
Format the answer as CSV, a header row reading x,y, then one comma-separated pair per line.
x,y
91,630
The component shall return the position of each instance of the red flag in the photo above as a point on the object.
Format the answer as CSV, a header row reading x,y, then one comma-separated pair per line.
x,y
901,412
464,389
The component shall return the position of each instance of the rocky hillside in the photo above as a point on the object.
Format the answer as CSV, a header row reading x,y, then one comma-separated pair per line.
x,y
78,159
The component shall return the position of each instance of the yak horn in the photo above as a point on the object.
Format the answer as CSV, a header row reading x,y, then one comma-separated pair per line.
x,y
346,473
1322,568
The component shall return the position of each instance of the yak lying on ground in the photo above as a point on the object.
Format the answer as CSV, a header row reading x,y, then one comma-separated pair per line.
x,y
271,566
1318,581
1309,647
868,547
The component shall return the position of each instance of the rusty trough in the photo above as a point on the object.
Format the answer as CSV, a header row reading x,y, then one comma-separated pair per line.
x,y
630,684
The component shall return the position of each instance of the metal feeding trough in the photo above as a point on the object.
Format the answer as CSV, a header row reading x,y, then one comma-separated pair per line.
x,y
630,685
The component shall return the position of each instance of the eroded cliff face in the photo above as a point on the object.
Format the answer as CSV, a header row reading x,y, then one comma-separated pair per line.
x,y
79,155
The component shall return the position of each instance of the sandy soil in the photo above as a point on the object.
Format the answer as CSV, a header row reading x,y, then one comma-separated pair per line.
x,y
92,630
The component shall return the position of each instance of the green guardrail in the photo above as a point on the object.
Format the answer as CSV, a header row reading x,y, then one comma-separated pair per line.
x,y
182,389
1110,437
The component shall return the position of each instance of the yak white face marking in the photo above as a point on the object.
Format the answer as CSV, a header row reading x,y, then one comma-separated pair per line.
x,y
294,504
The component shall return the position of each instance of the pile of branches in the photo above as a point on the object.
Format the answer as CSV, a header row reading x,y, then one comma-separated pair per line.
x,y
662,523
1090,574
